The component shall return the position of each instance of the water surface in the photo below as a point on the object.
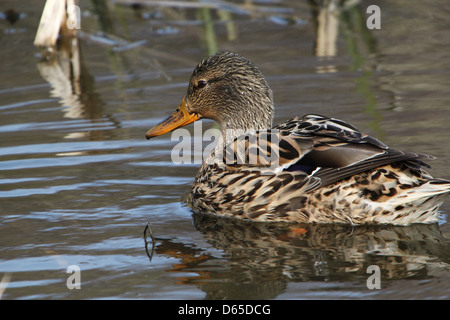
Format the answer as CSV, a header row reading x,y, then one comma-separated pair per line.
x,y
79,182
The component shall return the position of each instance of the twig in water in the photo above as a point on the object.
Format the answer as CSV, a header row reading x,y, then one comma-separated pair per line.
x,y
153,242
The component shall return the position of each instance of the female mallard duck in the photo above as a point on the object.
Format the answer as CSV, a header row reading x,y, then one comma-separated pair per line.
x,y
324,171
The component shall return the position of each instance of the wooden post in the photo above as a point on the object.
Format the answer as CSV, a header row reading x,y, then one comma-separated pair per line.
x,y
53,22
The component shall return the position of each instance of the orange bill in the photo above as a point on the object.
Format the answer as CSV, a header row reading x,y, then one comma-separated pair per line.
x,y
179,118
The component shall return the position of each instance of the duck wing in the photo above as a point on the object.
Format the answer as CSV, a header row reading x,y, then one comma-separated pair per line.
x,y
327,148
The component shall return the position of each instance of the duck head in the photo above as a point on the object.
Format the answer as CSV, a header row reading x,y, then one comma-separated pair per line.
x,y
227,88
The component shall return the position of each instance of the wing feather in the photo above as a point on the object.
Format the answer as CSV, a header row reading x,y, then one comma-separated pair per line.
x,y
327,148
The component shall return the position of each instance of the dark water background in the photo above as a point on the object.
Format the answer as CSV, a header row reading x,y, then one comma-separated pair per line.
x,y
79,182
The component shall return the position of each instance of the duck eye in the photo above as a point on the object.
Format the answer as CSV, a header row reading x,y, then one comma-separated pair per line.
x,y
201,83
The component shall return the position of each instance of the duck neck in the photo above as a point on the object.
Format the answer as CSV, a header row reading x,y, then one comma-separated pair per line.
x,y
236,127
241,124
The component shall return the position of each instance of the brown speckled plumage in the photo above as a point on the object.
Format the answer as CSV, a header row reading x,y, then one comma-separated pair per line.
x,y
311,169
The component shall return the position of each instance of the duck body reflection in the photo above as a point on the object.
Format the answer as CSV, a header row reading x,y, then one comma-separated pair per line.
x,y
259,260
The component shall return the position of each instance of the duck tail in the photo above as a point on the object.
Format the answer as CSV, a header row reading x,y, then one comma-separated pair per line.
x,y
422,203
